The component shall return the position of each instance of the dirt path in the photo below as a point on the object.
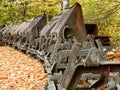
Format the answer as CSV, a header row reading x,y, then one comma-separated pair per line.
x,y
19,71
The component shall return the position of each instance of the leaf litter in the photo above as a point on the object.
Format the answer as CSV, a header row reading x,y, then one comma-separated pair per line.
x,y
19,71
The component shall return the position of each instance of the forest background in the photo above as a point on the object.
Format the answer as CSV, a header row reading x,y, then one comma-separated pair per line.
x,y
105,13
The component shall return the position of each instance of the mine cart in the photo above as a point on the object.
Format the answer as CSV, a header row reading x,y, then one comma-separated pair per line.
x,y
93,29
32,32
71,54
71,51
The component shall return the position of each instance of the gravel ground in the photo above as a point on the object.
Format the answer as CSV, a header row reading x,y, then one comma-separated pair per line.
x,y
19,71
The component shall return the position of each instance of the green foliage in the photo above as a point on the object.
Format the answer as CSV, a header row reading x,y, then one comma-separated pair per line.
x,y
16,11
105,13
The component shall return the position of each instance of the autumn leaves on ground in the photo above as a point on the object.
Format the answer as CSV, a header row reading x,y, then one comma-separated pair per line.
x,y
19,71
114,54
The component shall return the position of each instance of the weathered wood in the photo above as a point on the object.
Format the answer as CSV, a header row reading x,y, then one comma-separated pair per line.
x,y
69,72
102,53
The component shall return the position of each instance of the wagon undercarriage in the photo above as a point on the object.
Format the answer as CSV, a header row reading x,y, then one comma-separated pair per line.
x,y
71,50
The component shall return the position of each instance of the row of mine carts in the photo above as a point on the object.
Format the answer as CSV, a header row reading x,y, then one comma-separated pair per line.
x,y
25,36
64,46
